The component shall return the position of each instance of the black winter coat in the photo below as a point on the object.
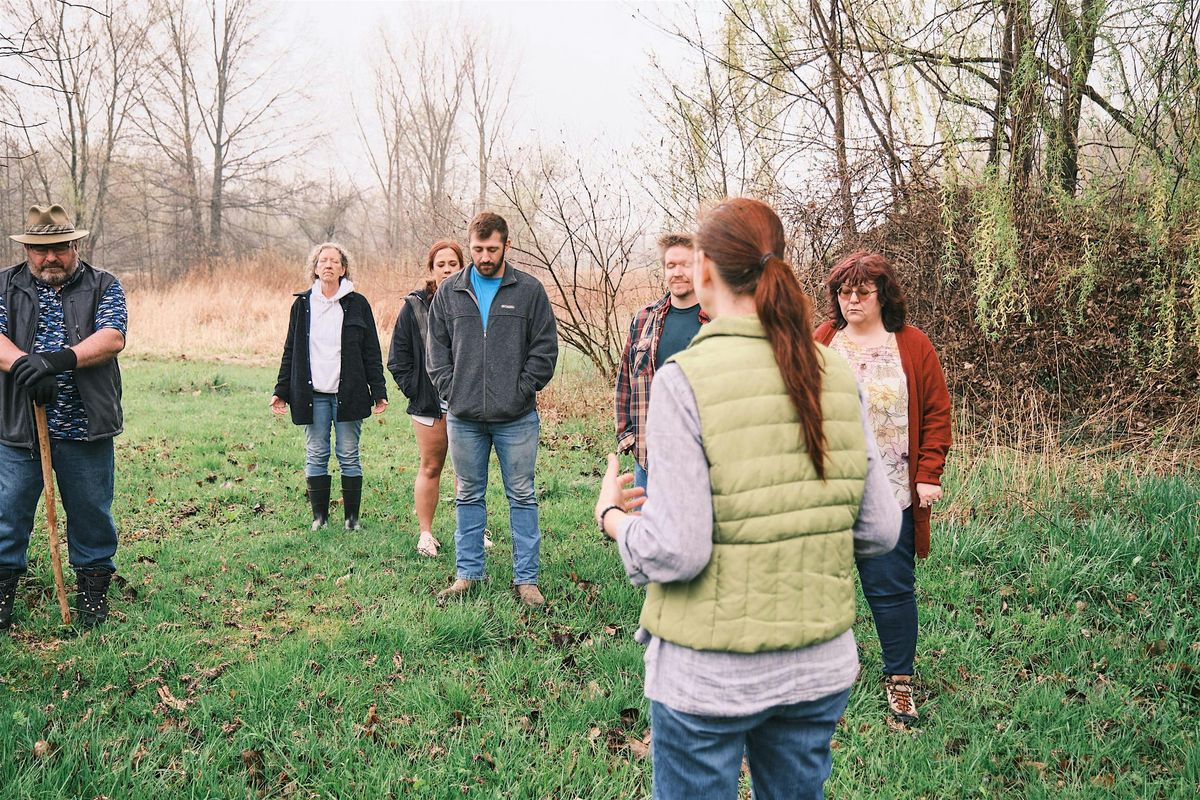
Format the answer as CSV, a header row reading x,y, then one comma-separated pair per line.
x,y
406,359
362,383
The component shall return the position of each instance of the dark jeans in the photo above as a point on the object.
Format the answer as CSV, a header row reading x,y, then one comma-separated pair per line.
x,y
84,472
888,583
787,747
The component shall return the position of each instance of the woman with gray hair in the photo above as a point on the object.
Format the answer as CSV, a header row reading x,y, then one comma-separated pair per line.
x,y
331,375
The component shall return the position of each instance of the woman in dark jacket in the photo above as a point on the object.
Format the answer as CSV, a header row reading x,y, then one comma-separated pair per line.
x,y
406,362
332,376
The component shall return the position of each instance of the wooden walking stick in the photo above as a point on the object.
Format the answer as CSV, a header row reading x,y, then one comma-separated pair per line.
x,y
60,588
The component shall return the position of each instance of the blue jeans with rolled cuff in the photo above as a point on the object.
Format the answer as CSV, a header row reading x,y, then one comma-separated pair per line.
x,y
516,446
84,474
889,584
787,748
316,437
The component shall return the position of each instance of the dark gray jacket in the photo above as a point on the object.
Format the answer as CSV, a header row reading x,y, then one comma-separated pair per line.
x,y
493,377
99,385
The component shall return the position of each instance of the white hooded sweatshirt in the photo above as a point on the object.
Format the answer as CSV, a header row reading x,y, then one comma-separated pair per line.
x,y
325,336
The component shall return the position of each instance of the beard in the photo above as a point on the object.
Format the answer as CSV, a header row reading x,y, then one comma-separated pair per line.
x,y
680,289
53,276
489,269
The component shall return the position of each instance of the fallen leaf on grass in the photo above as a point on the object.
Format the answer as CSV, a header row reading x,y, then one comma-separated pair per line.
x,y
170,700
253,761
485,757
41,749
1103,779
370,727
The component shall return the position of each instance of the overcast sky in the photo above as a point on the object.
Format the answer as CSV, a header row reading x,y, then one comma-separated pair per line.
x,y
584,67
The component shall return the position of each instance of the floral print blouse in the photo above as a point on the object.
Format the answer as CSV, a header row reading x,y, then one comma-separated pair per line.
x,y
882,377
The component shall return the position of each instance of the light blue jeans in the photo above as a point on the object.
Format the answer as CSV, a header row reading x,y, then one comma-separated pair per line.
x,y
787,748
516,445
84,473
316,438
639,475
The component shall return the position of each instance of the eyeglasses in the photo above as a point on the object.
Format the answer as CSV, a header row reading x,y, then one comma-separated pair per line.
x,y
57,249
846,292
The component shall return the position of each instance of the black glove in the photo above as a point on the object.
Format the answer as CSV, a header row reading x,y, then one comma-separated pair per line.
x,y
45,391
34,367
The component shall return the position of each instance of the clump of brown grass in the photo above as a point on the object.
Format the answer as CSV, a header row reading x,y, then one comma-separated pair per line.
x,y
239,310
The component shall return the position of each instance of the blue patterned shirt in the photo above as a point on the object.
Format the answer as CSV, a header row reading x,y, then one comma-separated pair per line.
x,y
67,418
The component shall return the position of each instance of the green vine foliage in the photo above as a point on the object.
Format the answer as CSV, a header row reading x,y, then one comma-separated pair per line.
x,y
1000,286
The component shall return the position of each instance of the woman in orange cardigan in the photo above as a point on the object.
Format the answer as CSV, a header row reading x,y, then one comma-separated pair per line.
x,y
910,414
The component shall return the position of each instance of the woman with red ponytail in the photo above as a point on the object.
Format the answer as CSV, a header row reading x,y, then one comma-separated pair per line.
x,y
766,485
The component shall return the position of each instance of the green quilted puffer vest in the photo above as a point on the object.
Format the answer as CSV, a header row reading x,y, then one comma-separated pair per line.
x,y
780,576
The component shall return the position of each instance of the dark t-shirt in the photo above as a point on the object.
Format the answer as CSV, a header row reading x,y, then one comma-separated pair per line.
x,y
681,325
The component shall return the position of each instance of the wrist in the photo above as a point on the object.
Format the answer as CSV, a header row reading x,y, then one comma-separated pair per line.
x,y
604,513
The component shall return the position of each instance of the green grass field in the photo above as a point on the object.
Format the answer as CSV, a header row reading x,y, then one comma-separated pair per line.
x,y
249,657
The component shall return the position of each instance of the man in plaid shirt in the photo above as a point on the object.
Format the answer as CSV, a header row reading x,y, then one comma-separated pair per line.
x,y
657,332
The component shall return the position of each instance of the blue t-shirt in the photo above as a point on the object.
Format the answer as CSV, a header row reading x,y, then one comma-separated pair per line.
x,y
485,292
680,327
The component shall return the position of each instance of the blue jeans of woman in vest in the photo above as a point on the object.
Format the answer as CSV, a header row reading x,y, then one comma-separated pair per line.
x,y
787,748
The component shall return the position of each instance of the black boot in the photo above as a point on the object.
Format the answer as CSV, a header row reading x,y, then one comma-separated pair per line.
x,y
91,601
318,496
352,499
8,592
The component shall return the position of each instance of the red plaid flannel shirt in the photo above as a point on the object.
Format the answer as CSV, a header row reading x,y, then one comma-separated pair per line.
x,y
636,372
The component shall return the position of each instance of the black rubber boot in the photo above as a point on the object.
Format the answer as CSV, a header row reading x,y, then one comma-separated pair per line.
x,y
91,601
352,499
8,593
318,497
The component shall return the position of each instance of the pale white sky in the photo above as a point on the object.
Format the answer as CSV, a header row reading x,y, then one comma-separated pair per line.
x,y
583,67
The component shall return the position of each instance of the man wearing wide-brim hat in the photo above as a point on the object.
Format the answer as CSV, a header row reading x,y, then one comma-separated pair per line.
x,y
62,324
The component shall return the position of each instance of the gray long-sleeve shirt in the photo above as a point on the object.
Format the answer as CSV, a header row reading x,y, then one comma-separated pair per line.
x,y
672,541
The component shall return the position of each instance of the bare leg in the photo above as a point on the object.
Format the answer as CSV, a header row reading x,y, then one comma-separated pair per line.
x,y
431,441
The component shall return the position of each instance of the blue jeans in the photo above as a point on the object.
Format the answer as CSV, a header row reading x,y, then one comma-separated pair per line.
x,y
639,475
516,445
84,472
888,583
787,747
316,437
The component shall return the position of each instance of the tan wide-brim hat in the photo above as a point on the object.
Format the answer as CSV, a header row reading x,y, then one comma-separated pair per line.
x,y
48,225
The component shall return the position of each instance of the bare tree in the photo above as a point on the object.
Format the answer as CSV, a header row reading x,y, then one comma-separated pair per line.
x,y
490,82
582,235
91,60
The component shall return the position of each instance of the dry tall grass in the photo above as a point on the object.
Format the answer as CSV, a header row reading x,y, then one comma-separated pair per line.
x,y
241,312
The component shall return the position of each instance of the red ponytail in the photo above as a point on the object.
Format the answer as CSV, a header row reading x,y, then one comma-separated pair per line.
x,y
744,239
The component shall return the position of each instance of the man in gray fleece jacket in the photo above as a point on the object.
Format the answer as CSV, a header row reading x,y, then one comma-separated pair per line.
x,y
492,346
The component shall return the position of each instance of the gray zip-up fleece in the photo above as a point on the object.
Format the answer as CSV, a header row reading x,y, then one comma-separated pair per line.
x,y
492,377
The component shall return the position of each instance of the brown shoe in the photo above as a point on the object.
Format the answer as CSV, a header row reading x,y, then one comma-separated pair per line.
x,y
530,595
901,704
458,589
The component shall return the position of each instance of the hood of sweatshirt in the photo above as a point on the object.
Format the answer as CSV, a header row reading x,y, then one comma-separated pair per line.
x,y
344,288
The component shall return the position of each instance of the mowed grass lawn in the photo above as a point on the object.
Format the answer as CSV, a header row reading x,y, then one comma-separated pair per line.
x,y
249,657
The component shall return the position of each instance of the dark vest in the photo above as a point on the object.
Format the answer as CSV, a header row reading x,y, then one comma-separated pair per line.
x,y
99,386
